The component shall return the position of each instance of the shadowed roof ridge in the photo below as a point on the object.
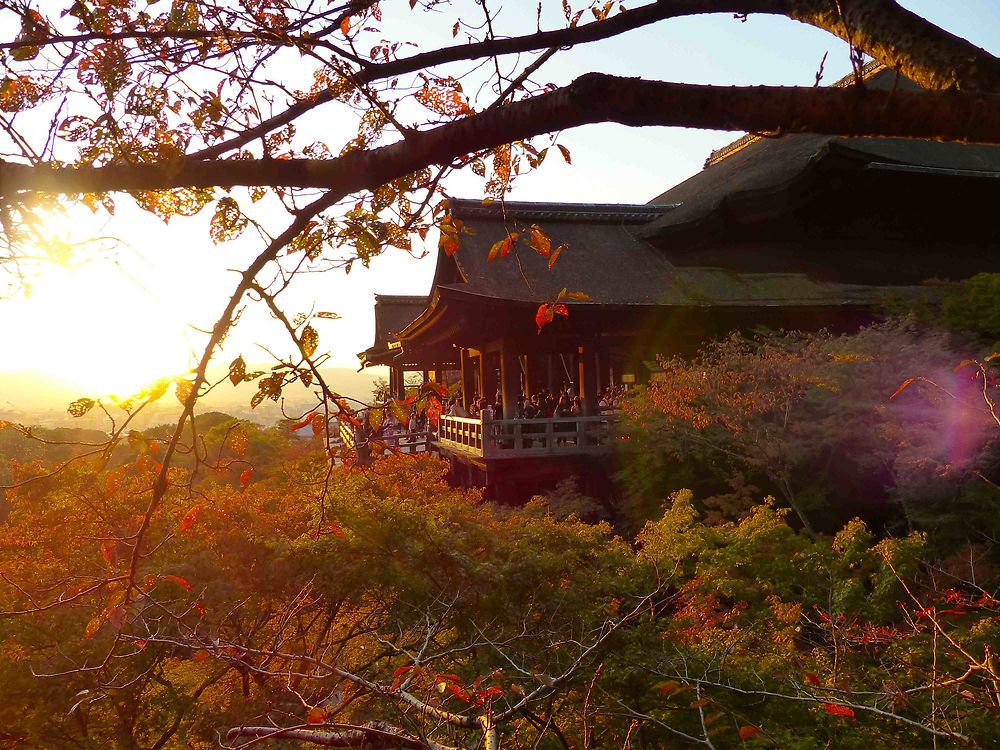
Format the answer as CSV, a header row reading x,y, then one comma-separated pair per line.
x,y
867,71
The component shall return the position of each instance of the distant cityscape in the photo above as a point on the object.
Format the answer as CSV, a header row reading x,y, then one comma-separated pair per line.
x,y
39,399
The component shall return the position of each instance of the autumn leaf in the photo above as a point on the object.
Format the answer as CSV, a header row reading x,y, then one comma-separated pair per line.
x,y
228,221
183,390
747,731
555,255
544,316
179,580
444,96
345,25
502,247
191,516
838,709
237,371
539,241
812,678
316,715
318,425
93,626
108,552
245,478
309,341
565,153
399,676
306,421
80,407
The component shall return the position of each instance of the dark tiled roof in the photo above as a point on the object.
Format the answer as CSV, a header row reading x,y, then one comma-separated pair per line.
x,y
617,213
756,165
393,312
607,261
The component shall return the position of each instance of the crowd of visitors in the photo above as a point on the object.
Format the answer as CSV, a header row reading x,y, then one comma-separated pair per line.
x,y
543,404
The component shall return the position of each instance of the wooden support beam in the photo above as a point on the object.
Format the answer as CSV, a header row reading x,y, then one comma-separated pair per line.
x,y
587,379
510,378
399,392
530,365
468,379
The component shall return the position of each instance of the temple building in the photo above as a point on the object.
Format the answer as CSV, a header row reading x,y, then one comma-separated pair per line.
x,y
797,232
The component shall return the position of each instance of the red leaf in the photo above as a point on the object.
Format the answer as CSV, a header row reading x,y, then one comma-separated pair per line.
x,y
457,692
345,25
308,420
813,679
316,715
748,731
182,582
245,478
560,309
191,516
838,709
563,150
554,255
108,552
399,676
544,316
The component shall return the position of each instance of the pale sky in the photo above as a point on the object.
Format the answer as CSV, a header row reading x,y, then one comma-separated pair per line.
x,y
123,319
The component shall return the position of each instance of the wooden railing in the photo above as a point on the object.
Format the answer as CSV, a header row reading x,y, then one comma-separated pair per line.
x,y
405,442
513,438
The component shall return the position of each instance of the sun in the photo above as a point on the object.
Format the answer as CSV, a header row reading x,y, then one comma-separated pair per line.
x,y
95,328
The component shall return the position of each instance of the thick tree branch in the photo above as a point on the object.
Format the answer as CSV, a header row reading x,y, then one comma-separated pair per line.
x,y
592,98
374,735
891,34
923,52
559,38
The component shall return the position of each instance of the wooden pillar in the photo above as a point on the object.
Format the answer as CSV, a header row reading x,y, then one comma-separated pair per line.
x,y
510,378
530,374
437,377
587,380
399,392
468,379
483,380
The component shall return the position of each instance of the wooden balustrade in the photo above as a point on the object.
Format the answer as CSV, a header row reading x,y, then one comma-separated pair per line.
x,y
515,438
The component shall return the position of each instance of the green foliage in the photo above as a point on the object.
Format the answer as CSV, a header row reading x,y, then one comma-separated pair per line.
x,y
812,420
973,306
261,603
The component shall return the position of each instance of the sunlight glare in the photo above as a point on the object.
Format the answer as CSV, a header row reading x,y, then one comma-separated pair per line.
x,y
97,329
